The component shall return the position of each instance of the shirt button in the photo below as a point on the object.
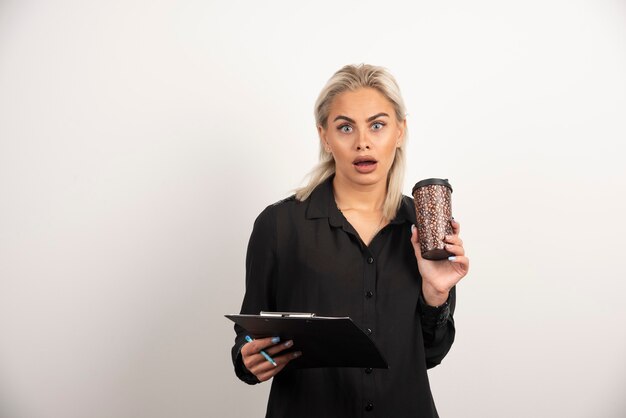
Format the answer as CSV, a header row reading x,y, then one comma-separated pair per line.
x,y
369,406
369,370
369,294
370,260
368,331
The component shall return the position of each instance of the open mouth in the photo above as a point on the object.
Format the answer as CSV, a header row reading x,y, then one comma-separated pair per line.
x,y
364,161
365,164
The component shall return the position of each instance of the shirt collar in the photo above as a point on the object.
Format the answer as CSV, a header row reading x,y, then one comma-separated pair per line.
x,y
322,205
406,212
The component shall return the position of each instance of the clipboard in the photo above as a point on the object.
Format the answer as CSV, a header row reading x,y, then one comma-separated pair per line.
x,y
324,341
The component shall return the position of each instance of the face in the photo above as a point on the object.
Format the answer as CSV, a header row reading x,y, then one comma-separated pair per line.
x,y
362,133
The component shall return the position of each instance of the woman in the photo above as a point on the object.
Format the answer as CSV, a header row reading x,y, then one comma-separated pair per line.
x,y
345,245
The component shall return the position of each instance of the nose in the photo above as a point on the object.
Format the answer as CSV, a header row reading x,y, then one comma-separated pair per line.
x,y
363,142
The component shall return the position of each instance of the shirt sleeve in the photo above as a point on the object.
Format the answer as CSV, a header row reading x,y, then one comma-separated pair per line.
x,y
260,270
437,328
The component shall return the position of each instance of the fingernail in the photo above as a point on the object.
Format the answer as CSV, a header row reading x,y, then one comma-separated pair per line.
x,y
288,343
412,228
452,258
275,340
297,354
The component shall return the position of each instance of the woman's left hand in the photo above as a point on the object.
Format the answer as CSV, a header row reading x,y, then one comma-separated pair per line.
x,y
439,276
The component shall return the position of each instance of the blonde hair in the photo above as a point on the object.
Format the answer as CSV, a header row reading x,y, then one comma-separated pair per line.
x,y
350,78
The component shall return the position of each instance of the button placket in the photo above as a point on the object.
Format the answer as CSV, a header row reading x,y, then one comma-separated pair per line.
x,y
370,283
369,321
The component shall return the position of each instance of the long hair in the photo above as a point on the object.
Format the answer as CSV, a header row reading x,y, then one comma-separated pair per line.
x,y
350,78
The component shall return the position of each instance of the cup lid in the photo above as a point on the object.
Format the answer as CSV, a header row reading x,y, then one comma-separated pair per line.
x,y
428,182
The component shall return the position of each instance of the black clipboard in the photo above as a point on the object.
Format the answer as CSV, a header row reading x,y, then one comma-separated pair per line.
x,y
324,341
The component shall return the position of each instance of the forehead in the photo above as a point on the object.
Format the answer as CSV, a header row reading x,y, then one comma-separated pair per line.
x,y
360,103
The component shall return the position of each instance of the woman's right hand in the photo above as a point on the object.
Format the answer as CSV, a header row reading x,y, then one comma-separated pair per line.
x,y
258,365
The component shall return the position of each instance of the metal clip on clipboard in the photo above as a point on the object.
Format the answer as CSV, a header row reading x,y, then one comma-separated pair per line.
x,y
288,314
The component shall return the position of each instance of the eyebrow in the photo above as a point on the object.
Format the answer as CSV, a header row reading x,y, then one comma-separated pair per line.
x,y
376,116
371,118
344,118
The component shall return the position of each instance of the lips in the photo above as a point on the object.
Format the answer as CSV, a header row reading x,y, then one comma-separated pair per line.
x,y
365,164
364,161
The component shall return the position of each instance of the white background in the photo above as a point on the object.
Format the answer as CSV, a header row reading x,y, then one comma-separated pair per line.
x,y
139,139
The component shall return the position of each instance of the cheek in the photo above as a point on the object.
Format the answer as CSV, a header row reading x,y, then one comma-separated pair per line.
x,y
390,147
390,154
341,155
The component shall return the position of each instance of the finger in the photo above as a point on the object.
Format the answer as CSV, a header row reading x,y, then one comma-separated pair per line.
x,y
266,373
253,361
462,261
263,368
286,358
279,347
453,239
250,352
258,345
415,241
262,365
456,227
455,249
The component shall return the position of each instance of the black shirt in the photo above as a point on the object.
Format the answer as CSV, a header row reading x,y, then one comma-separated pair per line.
x,y
306,257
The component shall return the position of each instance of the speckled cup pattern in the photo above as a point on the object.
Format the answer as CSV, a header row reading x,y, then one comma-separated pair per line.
x,y
433,207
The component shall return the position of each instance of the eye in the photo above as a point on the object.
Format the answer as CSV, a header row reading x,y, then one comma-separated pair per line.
x,y
377,126
346,129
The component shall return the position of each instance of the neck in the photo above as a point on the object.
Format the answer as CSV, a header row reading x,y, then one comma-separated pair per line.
x,y
363,198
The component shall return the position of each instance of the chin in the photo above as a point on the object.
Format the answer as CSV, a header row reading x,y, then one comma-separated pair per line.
x,y
361,179
366,179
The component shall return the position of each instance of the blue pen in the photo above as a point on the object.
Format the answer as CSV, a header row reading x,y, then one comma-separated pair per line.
x,y
263,353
